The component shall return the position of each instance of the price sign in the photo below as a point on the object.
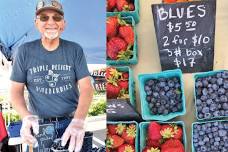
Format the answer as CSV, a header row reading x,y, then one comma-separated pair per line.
x,y
185,35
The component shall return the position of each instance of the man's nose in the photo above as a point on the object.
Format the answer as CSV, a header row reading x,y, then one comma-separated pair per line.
x,y
50,20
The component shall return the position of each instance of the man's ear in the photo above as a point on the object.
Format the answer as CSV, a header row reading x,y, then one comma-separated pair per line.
x,y
36,23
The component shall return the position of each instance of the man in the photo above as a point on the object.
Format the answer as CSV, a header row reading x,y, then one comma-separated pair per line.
x,y
52,69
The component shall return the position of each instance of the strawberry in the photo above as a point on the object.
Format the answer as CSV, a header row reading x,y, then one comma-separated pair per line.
x,y
178,132
112,129
167,131
126,148
154,131
110,5
112,91
125,75
127,33
123,84
114,141
120,129
114,46
131,7
122,5
112,75
129,134
153,143
111,26
172,145
150,149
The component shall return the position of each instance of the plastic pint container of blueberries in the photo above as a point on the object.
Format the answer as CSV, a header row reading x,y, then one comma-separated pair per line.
x,y
145,107
210,136
211,94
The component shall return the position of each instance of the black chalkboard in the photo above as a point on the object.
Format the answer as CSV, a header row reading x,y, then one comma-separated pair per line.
x,y
185,35
121,110
45,137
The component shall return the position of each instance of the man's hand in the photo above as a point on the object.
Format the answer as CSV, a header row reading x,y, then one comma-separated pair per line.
x,y
75,132
29,122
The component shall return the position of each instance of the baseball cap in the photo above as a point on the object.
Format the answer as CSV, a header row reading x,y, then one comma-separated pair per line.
x,y
49,5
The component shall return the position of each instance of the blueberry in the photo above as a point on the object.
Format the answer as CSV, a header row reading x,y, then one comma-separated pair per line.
x,y
207,115
204,91
221,91
219,75
222,112
203,98
150,83
171,83
147,88
205,110
148,98
223,98
166,88
213,107
225,85
225,106
162,79
199,84
200,115
220,81
179,107
222,133
155,94
174,109
205,83
215,87
162,92
214,129
151,105
217,139
225,74
166,112
162,84
203,148
177,85
201,143
198,102
216,143
209,101
158,104
206,139
216,113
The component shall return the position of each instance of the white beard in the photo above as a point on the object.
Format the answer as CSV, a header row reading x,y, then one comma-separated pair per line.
x,y
51,34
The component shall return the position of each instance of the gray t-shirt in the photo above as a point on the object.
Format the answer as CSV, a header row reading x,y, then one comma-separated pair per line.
x,y
50,76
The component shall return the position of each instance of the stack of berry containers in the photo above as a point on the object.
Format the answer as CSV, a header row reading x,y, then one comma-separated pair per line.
x,y
124,11
211,102
122,136
162,95
158,136
134,58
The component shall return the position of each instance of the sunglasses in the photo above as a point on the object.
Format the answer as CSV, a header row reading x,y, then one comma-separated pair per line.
x,y
45,18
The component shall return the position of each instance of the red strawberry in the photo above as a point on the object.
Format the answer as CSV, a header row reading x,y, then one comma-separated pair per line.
x,y
122,5
150,149
129,134
172,145
109,72
153,143
112,75
114,46
167,131
123,84
114,141
127,33
154,131
112,91
111,26
125,75
178,132
131,7
126,148
111,5
112,129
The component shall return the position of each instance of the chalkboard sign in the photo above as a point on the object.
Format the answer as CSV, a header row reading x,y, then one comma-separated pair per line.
x,y
45,137
185,35
121,110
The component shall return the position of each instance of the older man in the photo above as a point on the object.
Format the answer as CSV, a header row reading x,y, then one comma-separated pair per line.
x,y
52,69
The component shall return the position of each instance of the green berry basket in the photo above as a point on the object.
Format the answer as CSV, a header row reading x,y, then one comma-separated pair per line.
x,y
205,122
143,126
134,59
127,123
131,84
203,75
134,14
146,114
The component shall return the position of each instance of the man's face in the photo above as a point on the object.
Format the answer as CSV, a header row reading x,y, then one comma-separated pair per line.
x,y
50,24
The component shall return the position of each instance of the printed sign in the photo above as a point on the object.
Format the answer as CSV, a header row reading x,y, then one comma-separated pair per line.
x,y
185,35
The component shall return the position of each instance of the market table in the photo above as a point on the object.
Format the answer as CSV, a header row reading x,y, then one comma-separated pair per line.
x,y
149,58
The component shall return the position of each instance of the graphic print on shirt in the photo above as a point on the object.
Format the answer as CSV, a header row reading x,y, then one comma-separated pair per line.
x,y
51,79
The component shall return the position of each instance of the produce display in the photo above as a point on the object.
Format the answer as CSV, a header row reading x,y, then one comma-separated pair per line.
x,y
212,95
121,137
210,136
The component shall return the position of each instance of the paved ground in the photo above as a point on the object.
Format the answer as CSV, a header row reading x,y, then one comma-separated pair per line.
x,y
99,138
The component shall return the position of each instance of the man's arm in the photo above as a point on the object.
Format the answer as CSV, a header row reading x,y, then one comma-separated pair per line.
x,y
85,98
17,98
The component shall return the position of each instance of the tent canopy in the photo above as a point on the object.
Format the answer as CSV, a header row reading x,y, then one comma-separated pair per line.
x,y
85,21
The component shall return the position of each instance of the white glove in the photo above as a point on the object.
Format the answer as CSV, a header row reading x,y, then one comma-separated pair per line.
x,y
76,132
29,122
